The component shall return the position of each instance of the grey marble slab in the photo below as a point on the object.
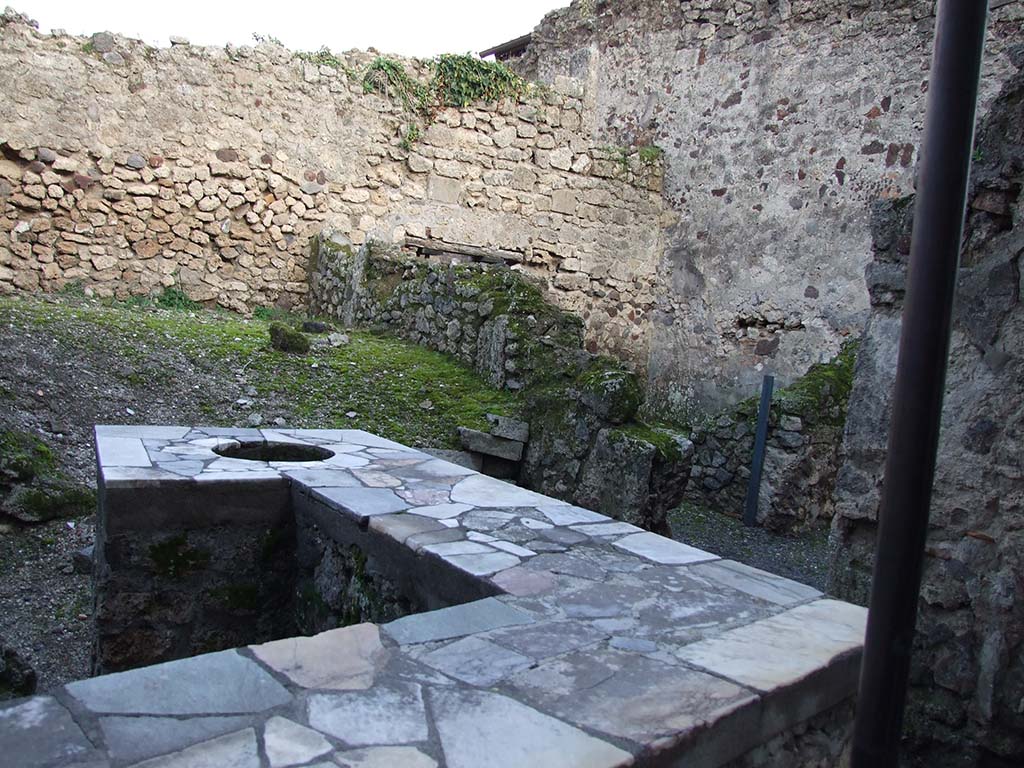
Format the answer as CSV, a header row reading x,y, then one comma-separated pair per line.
x,y
455,621
217,683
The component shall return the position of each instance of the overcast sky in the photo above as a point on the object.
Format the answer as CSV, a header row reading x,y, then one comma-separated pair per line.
x,y
409,27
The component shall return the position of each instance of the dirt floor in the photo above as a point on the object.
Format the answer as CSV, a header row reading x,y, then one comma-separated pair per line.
x,y
68,363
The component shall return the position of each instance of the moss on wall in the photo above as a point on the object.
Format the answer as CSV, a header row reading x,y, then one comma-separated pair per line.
x,y
174,558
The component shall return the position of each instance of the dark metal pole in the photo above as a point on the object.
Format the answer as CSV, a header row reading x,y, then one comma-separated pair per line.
x,y
920,380
757,463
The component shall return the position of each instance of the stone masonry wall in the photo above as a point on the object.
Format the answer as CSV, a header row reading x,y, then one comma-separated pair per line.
x,y
780,122
805,427
584,446
126,168
967,680
174,579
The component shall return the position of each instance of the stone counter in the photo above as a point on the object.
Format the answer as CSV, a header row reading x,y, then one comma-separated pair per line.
x,y
548,635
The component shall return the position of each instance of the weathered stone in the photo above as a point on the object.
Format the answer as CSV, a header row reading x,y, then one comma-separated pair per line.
x,y
758,583
214,683
564,201
102,42
82,560
137,738
288,743
516,734
341,659
384,757
481,442
390,713
39,732
456,621
662,550
288,339
628,695
236,750
508,428
444,190
476,661
16,675
745,654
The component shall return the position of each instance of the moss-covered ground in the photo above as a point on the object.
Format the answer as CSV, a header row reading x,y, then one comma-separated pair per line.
x,y
372,382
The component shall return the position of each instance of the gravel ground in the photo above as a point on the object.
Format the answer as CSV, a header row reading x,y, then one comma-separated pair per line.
x,y
800,556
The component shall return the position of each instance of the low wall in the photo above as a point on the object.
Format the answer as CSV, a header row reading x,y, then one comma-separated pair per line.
x,y
802,452
585,446
695,659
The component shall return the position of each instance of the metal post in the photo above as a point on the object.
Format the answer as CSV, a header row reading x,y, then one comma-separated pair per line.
x,y
920,380
757,463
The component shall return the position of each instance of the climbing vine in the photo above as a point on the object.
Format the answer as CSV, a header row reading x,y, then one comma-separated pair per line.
x,y
388,77
455,81
459,81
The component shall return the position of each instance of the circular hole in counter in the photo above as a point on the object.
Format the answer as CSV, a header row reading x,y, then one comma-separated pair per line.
x,y
254,450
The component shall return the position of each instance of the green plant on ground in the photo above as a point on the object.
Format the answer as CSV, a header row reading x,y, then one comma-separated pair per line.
x,y
73,288
174,298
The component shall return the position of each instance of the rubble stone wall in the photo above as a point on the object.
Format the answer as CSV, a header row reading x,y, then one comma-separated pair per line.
x,y
126,168
967,679
780,122
805,428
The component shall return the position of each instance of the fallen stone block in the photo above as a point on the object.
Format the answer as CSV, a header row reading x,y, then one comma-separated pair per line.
x,y
489,445
82,560
509,428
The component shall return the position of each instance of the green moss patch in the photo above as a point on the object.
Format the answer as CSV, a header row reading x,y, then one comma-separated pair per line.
x,y
24,457
285,339
49,501
174,558
665,441
32,489
610,390
823,393
390,387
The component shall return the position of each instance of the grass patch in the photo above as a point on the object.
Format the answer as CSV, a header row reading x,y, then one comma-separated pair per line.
x,y
394,388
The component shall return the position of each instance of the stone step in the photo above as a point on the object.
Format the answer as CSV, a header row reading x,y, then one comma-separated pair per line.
x,y
490,445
